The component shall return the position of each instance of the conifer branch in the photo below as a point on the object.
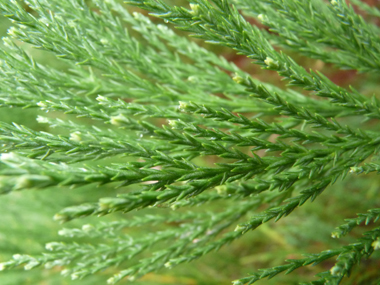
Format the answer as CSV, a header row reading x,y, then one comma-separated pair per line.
x,y
92,53
366,218
259,126
211,24
348,257
366,168
235,154
371,10
298,31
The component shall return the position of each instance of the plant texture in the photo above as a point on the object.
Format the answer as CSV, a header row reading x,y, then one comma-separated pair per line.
x,y
176,152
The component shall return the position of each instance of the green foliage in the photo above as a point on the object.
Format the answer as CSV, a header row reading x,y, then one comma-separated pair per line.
x,y
188,152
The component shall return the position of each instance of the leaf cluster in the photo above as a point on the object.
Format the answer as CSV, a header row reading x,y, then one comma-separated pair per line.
x,y
171,125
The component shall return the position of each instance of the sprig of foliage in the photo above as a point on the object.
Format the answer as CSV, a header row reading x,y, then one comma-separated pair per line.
x,y
171,125
224,25
348,256
302,27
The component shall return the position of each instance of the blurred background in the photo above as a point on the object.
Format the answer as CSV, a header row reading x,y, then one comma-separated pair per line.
x,y
307,231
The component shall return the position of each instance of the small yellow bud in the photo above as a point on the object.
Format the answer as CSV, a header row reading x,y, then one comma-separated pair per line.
x,y
64,232
31,264
238,79
101,99
336,270
103,41
60,218
87,227
42,120
76,136
356,169
271,63
174,207
119,120
42,105
52,245
182,105
44,21
222,190
174,124
132,278
8,157
27,181
168,264
65,272
12,31
194,9
74,276
240,228
17,256
376,244
261,17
